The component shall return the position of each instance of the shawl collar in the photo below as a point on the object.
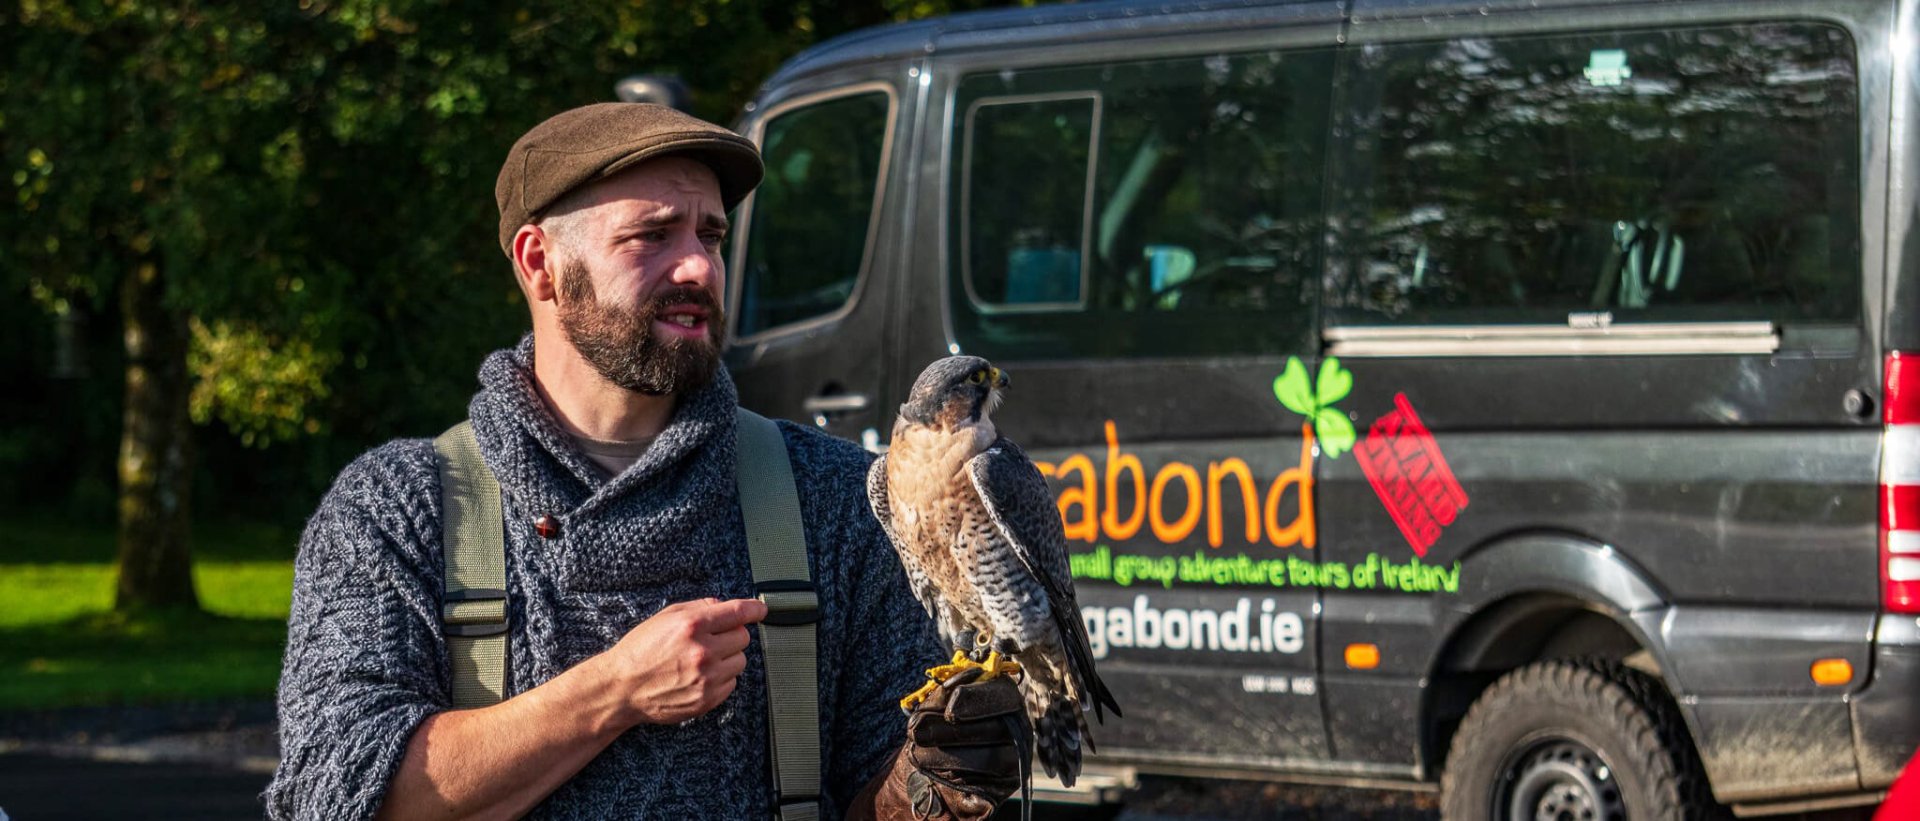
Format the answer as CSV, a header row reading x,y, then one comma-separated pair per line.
x,y
537,462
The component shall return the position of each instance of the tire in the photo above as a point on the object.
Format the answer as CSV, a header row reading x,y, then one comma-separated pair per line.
x,y
1578,740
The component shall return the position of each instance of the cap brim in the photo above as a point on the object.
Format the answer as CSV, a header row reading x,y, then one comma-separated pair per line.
x,y
734,162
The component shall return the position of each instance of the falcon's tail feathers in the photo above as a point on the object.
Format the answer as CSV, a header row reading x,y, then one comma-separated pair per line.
x,y
1101,697
1058,728
1093,691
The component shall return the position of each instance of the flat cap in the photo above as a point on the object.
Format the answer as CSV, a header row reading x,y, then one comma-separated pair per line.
x,y
591,142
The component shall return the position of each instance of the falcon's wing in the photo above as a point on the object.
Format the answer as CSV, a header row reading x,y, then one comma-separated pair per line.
x,y
877,499
1017,498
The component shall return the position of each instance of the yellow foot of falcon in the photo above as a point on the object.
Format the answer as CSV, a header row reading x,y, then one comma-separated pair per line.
x,y
993,667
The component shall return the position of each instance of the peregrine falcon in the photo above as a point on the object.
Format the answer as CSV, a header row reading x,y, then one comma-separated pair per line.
x,y
984,551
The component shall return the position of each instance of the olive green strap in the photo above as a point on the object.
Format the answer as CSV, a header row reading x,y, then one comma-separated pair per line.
x,y
777,546
473,610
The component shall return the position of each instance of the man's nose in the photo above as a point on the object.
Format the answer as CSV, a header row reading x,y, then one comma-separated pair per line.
x,y
695,265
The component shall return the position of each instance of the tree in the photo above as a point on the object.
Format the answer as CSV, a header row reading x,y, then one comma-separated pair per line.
x,y
287,208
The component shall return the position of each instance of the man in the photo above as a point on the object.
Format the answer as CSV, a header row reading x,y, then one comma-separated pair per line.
x,y
635,686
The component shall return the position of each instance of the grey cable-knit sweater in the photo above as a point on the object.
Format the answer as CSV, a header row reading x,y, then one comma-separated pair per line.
x,y
365,662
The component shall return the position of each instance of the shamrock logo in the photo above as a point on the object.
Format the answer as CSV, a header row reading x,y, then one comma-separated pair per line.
x,y
1330,424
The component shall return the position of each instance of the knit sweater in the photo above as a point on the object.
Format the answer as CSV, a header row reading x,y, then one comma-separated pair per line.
x,y
366,663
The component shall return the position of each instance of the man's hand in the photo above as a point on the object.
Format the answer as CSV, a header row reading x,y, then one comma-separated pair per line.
x,y
501,760
963,757
683,661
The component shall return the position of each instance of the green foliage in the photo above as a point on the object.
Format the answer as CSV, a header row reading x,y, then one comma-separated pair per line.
x,y
313,182
260,388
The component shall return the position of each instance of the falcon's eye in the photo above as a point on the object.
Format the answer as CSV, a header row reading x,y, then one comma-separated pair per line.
x,y
977,378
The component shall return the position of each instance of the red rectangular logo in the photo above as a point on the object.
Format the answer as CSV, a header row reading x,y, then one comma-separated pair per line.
x,y
1404,464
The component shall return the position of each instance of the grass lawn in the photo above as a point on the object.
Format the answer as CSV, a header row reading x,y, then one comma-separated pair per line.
x,y
61,644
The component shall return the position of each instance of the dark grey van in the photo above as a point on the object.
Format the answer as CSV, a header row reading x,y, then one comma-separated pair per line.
x,y
1504,396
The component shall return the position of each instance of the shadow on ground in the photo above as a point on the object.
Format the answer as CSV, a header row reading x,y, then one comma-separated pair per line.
x,y
114,658
41,788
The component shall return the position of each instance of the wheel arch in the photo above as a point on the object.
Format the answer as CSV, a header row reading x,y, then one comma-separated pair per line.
x,y
1530,596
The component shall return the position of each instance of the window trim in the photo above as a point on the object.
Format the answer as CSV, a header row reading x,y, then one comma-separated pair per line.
x,y
736,284
1086,209
1644,339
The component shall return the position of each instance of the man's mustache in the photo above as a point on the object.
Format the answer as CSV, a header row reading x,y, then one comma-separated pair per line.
x,y
685,295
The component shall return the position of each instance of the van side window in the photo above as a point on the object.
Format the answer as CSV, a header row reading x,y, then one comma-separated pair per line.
x,y
1694,175
1140,209
1025,202
807,236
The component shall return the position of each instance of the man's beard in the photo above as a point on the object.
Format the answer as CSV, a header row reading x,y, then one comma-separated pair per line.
x,y
620,343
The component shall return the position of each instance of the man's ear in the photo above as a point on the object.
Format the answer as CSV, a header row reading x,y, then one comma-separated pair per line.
x,y
533,263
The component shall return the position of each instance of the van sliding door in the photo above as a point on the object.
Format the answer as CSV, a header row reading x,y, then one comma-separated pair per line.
x,y
1135,239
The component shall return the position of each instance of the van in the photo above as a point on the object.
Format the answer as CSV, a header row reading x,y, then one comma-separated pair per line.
x,y
1517,398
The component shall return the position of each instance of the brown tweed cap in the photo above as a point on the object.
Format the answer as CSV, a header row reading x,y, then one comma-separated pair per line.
x,y
584,144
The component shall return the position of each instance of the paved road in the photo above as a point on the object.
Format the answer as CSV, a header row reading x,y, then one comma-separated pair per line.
x,y
36,787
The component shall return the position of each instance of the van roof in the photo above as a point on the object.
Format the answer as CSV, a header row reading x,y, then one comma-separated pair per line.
x,y
1043,25
1039,24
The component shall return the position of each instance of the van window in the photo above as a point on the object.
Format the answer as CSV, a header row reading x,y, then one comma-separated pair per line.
x,y
807,235
1140,209
1707,174
1025,204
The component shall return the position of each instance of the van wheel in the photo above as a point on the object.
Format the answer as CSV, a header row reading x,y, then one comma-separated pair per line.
x,y
1574,741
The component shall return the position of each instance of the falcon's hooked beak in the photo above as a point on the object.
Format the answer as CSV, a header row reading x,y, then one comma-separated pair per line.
x,y
956,392
997,384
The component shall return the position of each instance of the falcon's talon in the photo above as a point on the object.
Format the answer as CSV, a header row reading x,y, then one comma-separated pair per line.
x,y
993,667
996,666
961,663
918,697
953,668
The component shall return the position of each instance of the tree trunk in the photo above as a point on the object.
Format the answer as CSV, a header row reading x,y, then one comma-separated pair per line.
x,y
156,450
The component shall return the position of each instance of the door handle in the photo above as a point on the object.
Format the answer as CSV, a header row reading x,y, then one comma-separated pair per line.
x,y
835,404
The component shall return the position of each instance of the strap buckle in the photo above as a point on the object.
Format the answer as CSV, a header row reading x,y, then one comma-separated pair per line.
x,y
803,808
790,603
474,612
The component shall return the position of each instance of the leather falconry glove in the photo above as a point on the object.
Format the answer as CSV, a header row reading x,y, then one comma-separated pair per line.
x,y
966,752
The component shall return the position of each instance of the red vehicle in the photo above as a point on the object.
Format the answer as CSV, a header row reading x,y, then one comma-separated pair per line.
x,y
1903,800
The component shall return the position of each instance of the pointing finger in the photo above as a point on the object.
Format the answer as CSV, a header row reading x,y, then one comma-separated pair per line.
x,y
720,617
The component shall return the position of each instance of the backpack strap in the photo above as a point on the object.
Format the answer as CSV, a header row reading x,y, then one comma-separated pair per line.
x,y
777,547
473,610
